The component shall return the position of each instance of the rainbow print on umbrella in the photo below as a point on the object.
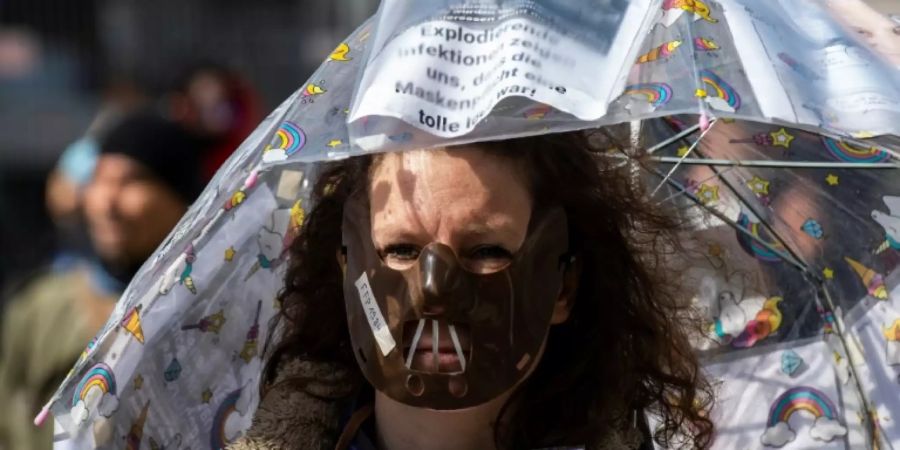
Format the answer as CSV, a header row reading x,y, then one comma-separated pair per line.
x,y
847,152
657,94
290,138
100,376
217,436
753,246
802,398
717,93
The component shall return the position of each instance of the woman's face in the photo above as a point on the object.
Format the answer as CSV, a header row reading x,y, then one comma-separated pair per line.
x,y
476,203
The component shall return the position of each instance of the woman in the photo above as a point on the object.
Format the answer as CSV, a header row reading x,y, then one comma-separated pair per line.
x,y
498,295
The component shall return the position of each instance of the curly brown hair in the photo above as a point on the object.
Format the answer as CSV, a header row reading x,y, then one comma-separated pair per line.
x,y
624,348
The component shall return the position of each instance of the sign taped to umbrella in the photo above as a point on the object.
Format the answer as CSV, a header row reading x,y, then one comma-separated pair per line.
x,y
468,73
470,58
797,224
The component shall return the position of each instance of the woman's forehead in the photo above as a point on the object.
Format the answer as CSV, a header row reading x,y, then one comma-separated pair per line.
x,y
420,175
463,188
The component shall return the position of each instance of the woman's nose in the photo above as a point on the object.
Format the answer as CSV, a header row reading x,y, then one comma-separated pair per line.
x,y
440,276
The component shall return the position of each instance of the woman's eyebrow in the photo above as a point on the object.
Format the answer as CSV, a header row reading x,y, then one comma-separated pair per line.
x,y
478,230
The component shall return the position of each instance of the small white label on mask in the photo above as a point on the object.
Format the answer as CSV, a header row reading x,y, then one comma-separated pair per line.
x,y
373,315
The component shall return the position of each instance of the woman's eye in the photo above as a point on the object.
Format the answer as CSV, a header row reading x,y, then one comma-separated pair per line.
x,y
400,252
488,259
490,252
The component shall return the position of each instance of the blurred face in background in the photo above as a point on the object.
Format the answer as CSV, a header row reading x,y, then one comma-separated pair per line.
x,y
128,210
205,106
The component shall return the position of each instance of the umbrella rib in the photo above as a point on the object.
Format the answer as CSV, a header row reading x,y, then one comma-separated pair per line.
x,y
762,220
842,337
686,154
686,132
789,258
772,164
761,217
685,187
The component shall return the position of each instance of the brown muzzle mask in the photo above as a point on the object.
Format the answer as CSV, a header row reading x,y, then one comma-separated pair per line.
x,y
438,336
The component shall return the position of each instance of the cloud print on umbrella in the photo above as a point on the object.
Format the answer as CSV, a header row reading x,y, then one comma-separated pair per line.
x,y
890,221
276,236
806,399
892,343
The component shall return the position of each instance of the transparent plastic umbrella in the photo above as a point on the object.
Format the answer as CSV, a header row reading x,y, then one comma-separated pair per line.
x,y
795,254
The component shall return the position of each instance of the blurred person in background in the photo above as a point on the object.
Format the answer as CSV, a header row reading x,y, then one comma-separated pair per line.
x,y
217,105
146,175
74,169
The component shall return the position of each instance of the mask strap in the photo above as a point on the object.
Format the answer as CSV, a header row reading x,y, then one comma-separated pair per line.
x,y
415,343
459,352
435,338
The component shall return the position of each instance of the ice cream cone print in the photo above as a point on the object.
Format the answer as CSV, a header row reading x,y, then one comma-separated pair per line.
x,y
132,323
873,280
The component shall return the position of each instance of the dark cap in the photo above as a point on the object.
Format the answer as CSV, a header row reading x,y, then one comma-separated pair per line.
x,y
166,149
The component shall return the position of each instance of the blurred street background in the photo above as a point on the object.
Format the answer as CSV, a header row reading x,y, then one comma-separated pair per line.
x,y
60,61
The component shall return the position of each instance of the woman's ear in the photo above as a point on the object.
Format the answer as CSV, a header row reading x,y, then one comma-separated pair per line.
x,y
563,305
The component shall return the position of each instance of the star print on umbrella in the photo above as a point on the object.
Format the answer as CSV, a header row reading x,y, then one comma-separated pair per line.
x,y
759,186
780,138
708,194
206,396
229,254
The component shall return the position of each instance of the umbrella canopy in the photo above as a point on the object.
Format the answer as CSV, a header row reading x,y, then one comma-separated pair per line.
x,y
794,251
179,361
